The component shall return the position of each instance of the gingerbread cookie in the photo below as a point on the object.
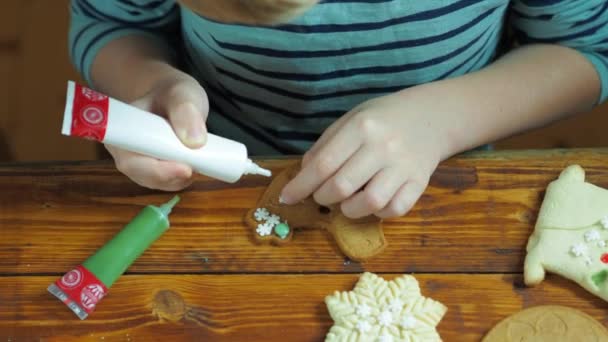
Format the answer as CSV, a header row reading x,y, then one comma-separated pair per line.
x,y
571,234
384,311
550,323
273,222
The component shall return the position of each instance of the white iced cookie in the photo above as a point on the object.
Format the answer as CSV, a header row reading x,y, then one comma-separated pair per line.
x,y
570,234
380,310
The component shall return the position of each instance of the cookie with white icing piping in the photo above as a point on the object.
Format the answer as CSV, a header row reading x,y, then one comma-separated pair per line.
x,y
550,323
571,234
359,239
384,311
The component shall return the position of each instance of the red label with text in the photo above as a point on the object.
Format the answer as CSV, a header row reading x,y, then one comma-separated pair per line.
x,y
89,114
83,287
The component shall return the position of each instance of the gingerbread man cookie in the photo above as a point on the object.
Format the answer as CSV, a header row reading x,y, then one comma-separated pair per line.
x,y
273,222
571,234
549,323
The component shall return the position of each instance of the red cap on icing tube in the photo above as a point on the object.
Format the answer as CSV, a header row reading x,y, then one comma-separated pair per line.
x,y
80,290
89,112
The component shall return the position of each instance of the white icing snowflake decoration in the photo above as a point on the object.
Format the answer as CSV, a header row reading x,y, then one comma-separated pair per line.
x,y
601,243
364,326
261,214
604,222
273,220
395,308
264,229
408,322
578,250
396,305
588,260
592,235
385,318
386,338
363,310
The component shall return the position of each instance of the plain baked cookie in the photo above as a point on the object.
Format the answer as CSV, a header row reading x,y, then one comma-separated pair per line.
x,y
548,323
571,233
377,310
358,239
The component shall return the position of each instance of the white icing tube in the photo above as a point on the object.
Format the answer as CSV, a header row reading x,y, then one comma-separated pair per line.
x,y
91,115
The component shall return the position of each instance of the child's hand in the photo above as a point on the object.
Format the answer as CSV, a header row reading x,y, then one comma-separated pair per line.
x,y
184,102
386,147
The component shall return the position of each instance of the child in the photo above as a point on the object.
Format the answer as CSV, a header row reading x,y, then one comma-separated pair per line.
x,y
376,92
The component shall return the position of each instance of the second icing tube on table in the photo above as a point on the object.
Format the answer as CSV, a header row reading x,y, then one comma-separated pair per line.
x,y
89,114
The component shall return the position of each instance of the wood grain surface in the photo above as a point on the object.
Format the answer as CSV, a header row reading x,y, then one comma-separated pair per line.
x,y
206,279
259,307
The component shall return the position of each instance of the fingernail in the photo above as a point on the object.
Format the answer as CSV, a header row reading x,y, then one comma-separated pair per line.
x,y
193,135
283,200
196,136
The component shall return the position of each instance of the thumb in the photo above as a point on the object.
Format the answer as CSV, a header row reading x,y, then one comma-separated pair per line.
x,y
187,108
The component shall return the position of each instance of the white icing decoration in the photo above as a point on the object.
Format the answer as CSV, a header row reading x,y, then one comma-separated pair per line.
x,y
385,318
601,243
264,229
363,310
396,305
592,235
261,214
273,220
604,222
578,250
408,322
363,326
385,338
588,260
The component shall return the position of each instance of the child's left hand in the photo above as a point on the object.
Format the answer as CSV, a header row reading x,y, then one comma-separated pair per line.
x,y
376,159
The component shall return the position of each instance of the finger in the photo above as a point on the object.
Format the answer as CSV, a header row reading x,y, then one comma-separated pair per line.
x,y
404,200
329,159
187,107
325,137
329,133
351,177
152,173
376,195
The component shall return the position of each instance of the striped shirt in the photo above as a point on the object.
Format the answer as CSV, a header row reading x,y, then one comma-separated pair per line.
x,y
277,88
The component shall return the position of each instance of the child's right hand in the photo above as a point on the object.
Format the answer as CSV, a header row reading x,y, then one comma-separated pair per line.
x,y
184,102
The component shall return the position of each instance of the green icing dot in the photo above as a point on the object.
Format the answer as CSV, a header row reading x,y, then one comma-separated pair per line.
x,y
599,278
282,230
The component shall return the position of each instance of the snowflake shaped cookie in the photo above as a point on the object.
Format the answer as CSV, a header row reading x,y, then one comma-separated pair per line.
x,y
380,310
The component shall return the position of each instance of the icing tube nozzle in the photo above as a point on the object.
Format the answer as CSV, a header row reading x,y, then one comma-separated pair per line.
x,y
255,169
167,207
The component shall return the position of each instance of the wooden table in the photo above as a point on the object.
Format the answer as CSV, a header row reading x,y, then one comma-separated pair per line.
x,y
205,280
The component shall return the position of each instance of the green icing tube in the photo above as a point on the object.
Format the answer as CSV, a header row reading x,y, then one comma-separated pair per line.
x,y
115,257
83,287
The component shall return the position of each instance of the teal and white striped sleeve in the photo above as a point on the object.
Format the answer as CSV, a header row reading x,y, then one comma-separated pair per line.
x,y
578,24
94,23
